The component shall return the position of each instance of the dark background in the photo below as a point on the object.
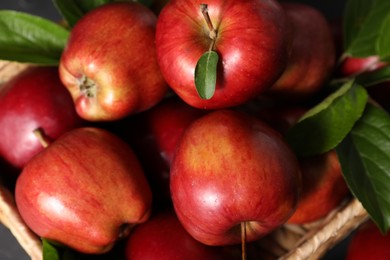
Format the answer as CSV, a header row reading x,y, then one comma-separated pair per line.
x,y
9,247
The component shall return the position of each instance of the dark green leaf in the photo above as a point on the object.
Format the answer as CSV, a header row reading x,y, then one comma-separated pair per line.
x,y
365,160
206,74
362,23
374,77
324,126
383,42
146,2
28,38
87,6
73,10
49,251
69,10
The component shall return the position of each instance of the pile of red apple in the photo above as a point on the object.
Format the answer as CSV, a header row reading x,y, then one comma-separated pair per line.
x,y
117,144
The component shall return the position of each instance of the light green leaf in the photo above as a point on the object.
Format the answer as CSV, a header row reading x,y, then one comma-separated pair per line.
x,y
49,251
29,38
365,160
206,74
324,126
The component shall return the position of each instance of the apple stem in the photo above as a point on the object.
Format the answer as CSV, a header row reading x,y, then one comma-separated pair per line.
x,y
213,32
43,139
243,240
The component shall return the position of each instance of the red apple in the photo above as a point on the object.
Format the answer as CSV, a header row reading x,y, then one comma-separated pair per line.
x,y
312,55
232,169
368,243
154,135
86,190
109,64
163,237
35,98
250,40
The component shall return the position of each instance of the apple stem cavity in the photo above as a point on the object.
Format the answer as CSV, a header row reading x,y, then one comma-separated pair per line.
x,y
124,230
42,137
243,240
212,31
87,86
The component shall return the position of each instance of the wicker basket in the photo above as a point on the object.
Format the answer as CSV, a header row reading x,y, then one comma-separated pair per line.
x,y
288,242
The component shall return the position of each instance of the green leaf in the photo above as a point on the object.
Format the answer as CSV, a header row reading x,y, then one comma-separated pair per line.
x,y
69,10
87,6
383,42
73,10
365,160
49,251
374,77
29,38
362,23
206,74
324,126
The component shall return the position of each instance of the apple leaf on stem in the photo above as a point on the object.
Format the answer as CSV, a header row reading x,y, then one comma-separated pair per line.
x,y
29,38
363,21
324,126
206,74
365,160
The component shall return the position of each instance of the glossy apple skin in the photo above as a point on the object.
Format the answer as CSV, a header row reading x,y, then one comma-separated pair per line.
x,y
231,168
33,99
163,237
154,135
85,190
368,243
250,41
312,56
114,46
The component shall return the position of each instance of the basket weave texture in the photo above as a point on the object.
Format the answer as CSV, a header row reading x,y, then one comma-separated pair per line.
x,y
309,241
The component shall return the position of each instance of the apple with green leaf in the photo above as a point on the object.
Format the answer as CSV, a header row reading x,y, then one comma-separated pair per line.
x,y
109,64
86,190
242,46
232,174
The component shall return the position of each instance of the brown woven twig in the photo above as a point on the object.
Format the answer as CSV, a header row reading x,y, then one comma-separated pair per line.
x,y
10,217
340,225
10,69
9,214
